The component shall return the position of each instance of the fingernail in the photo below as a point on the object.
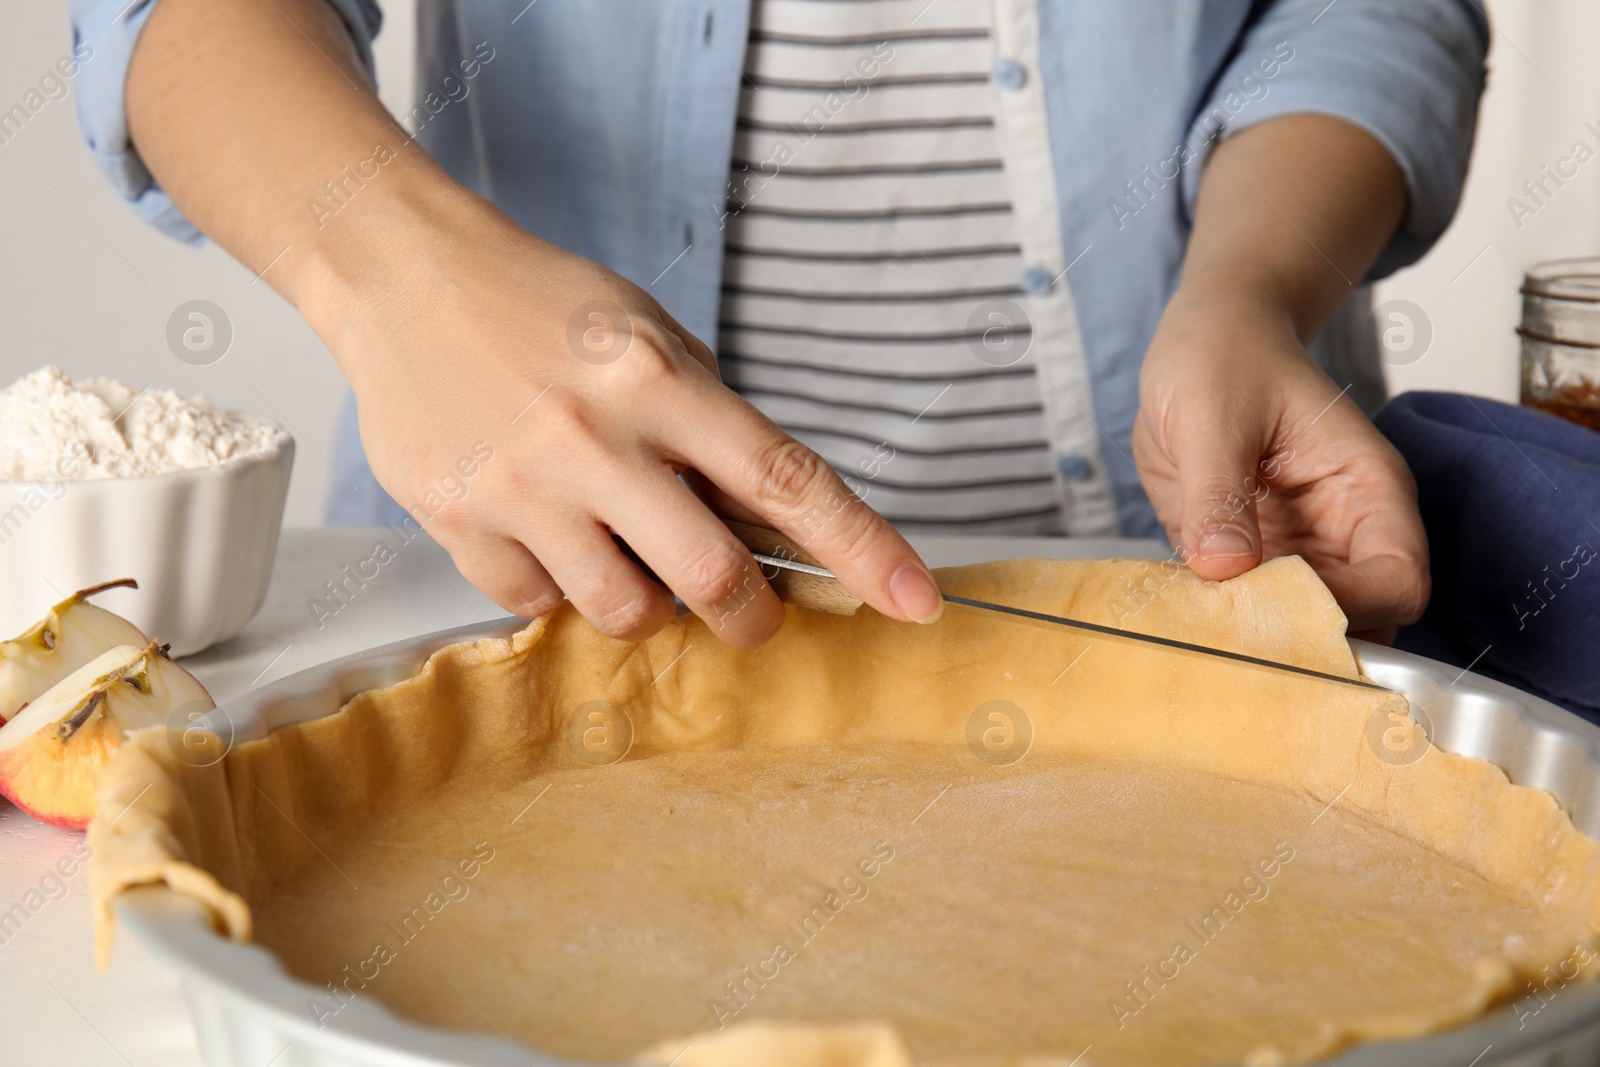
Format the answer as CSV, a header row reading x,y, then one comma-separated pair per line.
x,y
1225,543
914,593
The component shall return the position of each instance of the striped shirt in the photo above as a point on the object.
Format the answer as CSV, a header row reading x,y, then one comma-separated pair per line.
x,y
872,296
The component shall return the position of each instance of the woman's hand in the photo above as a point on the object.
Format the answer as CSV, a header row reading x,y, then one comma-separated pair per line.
x,y
1246,449
525,403
460,331
1249,452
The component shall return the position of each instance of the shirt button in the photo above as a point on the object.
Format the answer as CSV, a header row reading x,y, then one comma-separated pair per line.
x,y
1073,468
1037,280
1008,74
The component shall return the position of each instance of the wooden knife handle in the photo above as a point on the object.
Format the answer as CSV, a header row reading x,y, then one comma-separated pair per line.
x,y
795,587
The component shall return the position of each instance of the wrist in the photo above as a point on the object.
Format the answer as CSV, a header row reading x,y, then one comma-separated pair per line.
x,y
1236,283
368,245
1230,296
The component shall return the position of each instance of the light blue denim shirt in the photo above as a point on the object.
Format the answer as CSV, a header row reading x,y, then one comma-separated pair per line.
x,y
606,127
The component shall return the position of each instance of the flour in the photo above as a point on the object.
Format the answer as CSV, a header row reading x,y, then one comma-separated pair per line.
x,y
53,427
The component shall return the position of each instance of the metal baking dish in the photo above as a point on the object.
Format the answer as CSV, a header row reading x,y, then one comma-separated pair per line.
x,y
248,1011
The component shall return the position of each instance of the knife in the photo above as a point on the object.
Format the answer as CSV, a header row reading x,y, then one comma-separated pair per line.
x,y
799,578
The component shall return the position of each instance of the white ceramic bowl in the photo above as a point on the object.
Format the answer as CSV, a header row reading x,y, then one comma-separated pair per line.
x,y
199,542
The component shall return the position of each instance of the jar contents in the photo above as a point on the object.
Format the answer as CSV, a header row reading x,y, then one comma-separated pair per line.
x,y
1561,340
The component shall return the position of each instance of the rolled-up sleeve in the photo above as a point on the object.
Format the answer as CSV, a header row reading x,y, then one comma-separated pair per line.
x,y
1409,72
104,33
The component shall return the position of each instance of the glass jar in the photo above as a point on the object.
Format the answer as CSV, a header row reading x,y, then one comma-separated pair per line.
x,y
1561,339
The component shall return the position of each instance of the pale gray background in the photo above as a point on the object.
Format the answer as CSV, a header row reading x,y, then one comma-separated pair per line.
x,y
86,286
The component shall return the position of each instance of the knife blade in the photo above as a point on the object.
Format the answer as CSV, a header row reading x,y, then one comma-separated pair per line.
x,y
799,578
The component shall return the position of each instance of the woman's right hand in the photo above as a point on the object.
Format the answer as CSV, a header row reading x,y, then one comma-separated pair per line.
x,y
457,329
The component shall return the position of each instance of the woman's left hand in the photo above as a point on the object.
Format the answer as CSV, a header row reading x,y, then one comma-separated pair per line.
x,y
1249,452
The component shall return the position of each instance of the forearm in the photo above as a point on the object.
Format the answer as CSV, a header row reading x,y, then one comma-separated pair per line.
x,y
1295,210
245,111
452,323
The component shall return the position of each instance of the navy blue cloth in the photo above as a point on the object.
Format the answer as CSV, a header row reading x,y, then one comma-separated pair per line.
x,y
1510,497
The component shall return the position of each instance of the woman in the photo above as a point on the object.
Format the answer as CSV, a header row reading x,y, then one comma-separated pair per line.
x,y
1012,266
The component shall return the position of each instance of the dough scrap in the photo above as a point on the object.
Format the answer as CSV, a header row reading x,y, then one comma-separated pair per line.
x,y
474,823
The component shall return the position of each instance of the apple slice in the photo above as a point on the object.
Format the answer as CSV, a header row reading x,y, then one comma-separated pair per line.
x,y
54,751
73,633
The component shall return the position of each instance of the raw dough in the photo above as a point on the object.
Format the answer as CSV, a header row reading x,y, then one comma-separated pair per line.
x,y
809,856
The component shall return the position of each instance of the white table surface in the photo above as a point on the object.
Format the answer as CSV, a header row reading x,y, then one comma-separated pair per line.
x,y
54,1008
